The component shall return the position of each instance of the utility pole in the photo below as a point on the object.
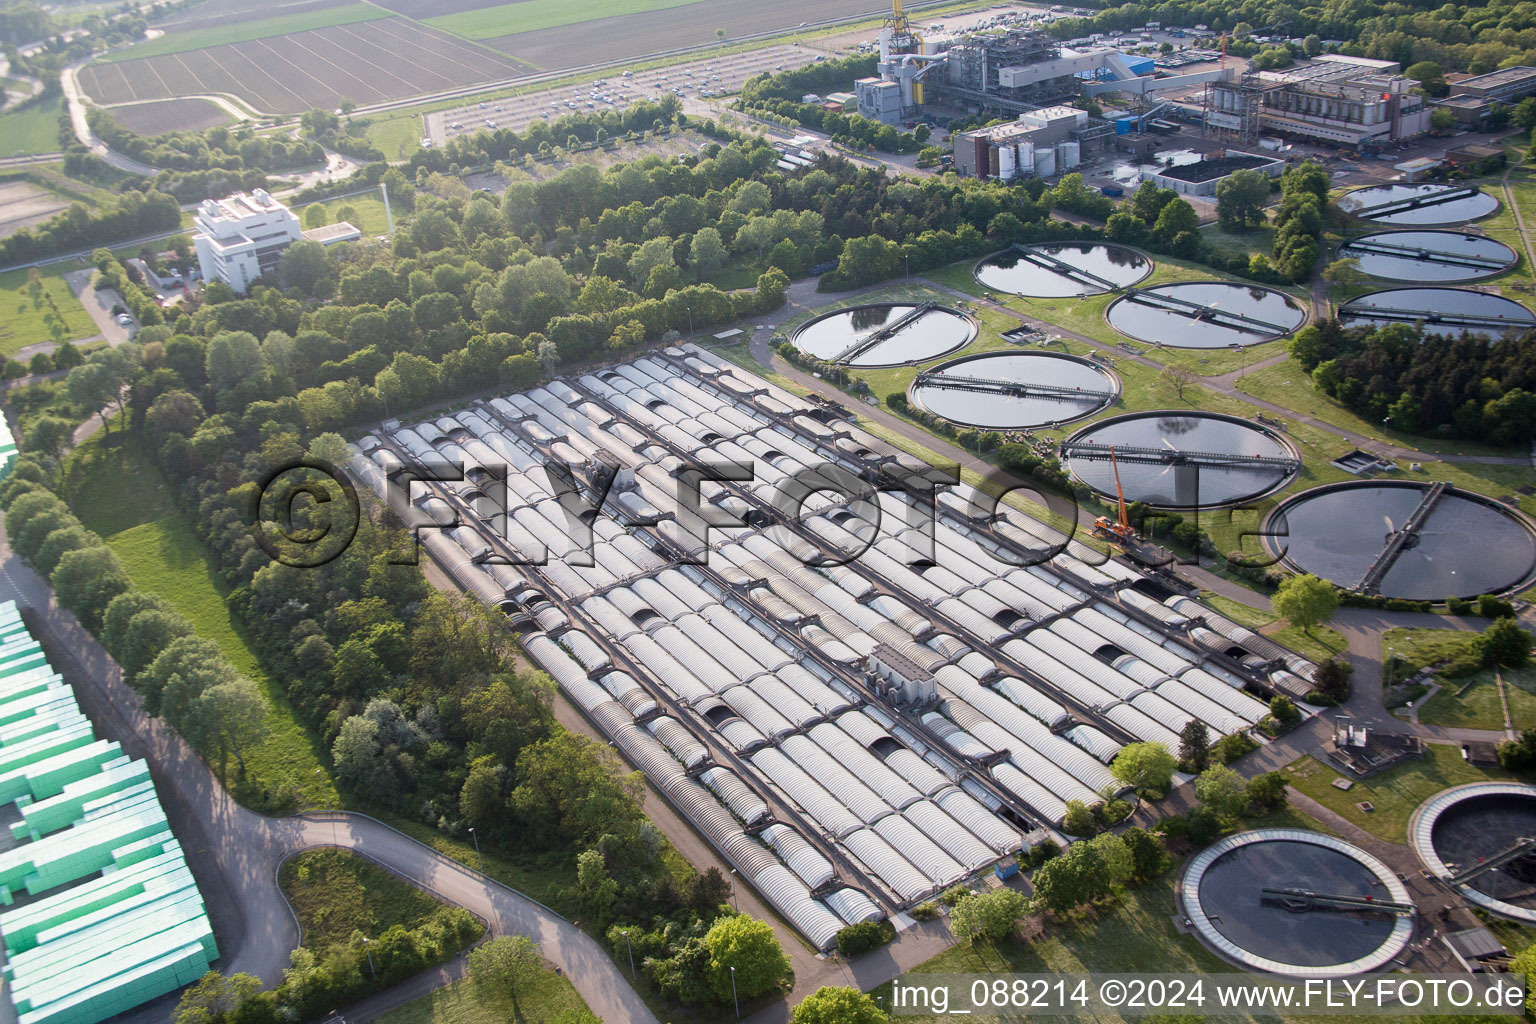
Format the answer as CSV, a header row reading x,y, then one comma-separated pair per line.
x,y
734,998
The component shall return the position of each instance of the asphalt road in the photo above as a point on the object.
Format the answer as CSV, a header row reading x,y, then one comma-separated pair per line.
x,y
235,853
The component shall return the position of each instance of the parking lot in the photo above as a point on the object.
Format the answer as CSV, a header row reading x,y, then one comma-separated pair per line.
x,y
703,78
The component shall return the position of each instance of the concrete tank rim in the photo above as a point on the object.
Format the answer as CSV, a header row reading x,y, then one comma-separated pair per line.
x,y
1498,204
1113,377
1509,262
1448,286
1283,440
1421,829
1306,315
1145,256
1292,500
969,318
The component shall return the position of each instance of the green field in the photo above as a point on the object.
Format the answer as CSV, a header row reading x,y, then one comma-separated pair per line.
x,y
32,129
244,31
546,998
335,893
532,15
1322,643
369,210
121,496
23,320
1394,793
397,137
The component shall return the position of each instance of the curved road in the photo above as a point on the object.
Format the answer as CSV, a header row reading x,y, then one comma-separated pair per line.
x,y
235,852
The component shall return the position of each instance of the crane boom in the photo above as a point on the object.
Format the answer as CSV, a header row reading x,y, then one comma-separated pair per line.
x,y
1119,492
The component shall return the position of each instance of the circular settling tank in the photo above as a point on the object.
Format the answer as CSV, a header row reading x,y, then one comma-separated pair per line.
x,y
1205,314
1009,390
1439,310
1224,899
1181,459
1062,269
1482,825
1421,205
885,334
1429,256
1455,543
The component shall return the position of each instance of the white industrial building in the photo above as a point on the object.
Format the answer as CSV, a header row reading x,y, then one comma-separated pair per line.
x,y
853,734
242,237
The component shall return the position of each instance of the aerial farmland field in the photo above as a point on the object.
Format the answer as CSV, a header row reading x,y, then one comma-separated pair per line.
x,y
244,26
156,117
366,62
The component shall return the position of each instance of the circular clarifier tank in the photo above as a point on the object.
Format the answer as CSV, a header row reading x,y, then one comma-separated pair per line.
x,y
1181,459
1205,314
1454,544
1482,825
1429,256
1009,390
886,334
1063,269
1421,205
1438,310
1296,902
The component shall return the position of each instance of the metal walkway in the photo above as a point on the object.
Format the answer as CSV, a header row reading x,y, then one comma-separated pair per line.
x,y
1016,389
1449,259
1065,269
1298,900
1522,848
871,340
1408,316
1175,457
1402,539
1415,202
1202,311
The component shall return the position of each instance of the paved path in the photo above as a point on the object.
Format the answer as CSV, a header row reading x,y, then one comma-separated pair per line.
x,y
235,853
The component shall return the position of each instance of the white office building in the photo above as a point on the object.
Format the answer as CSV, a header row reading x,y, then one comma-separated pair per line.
x,y
243,237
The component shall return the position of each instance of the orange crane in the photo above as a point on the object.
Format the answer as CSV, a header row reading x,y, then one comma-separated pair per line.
x,y
1116,532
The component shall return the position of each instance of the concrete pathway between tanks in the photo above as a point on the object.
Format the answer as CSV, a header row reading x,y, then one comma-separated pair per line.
x,y
235,853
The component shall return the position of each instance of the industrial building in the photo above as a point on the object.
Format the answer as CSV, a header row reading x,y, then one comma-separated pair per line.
x,y
1350,101
242,237
1041,142
1507,85
858,700
110,916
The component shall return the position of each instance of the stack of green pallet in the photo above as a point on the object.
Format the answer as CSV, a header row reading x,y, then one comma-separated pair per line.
x,y
123,922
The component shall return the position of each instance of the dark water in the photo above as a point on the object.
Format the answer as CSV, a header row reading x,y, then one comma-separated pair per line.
x,y
1465,548
985,409
1008,272
1440,300
1181,486
1229,893
1456,211
1407,267
934,334
1482,827
1185,329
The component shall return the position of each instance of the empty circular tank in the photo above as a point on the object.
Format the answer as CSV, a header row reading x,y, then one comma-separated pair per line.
x,y
1438,310
1431,257
1062,269
1009,390
1296,902
1181,459
1205,314
1454,544
1479,828
885,334
1419,205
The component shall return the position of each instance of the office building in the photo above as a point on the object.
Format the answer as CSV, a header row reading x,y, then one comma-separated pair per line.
x,y
243,237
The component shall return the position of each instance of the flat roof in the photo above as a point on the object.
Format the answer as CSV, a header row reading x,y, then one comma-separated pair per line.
x,y
1494,79
340,231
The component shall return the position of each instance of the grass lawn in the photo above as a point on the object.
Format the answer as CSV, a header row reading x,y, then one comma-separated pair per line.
x,y
1231,243
336,893
532,15
258,28
543,999
120,495
1415,648
1394,793
1471,702
1324,642
24,320
397,137
31,129
368,210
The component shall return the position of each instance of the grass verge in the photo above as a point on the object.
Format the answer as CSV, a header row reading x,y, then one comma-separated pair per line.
x,y
31,129
545,998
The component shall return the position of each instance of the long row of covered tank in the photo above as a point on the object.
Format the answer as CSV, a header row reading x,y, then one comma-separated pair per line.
x,y
748,671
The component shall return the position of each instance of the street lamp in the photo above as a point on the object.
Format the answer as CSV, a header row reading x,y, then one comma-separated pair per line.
x,y
906,260
369,953
479,864
733,892
690,320
631,949
734,997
